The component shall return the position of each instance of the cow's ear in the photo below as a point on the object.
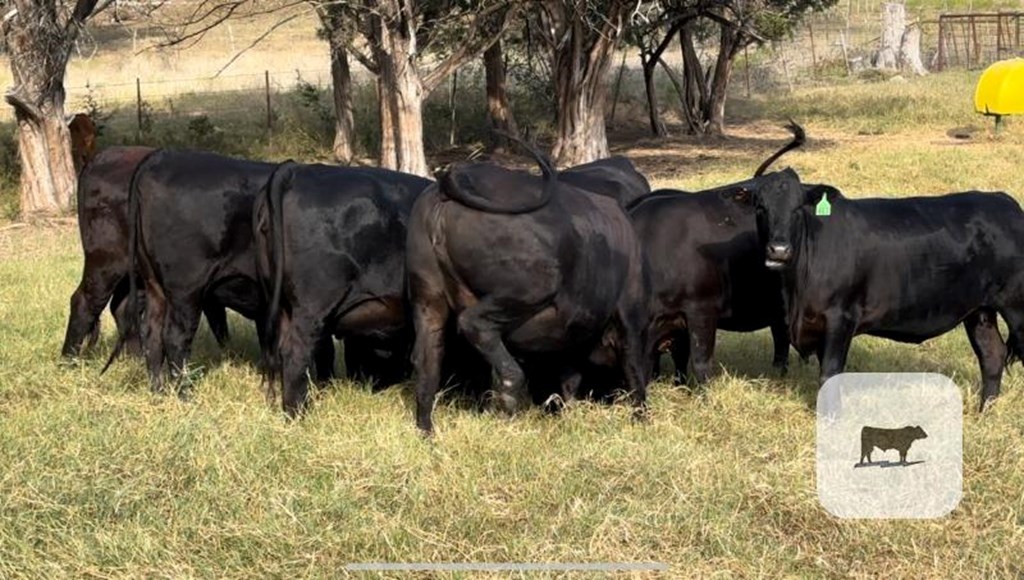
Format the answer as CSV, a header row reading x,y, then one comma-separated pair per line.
x,y
814,194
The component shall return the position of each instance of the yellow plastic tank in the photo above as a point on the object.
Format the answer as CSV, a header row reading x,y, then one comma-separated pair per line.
x,y
1001,89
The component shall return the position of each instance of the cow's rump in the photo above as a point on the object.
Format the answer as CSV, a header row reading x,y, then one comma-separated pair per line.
x,y
494,189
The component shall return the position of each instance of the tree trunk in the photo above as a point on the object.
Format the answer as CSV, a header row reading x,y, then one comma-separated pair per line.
x,y
695,91
893,26
499,113
400,91
910,52
581,130
38,49
648,64
388,151
407,95
48,179
580,96
341,83
714,112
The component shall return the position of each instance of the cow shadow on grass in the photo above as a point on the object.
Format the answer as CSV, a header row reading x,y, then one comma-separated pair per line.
x,y
747,356
683,155
885,463
744,356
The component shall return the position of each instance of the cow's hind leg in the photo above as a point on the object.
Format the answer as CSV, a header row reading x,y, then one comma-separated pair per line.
x,y
780,340
299,335
430,316
983,332
120,303
635,370
181,322
87,303
680,351
323,358
217,319
153,337
702,345
485,335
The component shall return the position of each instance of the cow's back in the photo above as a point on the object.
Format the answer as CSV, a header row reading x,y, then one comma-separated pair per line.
x,y
353,221
103,201
912,267
196,216
703,248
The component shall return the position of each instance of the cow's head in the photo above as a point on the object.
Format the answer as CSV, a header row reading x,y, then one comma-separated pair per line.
x,y
919,433
779,198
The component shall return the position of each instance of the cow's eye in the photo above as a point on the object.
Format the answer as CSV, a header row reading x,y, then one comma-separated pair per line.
x,y
742,196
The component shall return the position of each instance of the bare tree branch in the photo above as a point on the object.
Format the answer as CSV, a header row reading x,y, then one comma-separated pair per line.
x,y
255,42
198,34
83,9
483,36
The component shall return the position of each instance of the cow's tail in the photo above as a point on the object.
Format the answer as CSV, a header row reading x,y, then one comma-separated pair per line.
x,y
132,320
1014,348
547,169
799,138
279,180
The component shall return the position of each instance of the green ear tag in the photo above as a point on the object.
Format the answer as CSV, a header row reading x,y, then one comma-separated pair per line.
x,y
823,207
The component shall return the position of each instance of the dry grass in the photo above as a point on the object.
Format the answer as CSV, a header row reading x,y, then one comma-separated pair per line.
x,y
102,479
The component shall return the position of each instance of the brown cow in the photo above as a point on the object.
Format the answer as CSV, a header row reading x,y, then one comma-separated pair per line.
x,y
83,140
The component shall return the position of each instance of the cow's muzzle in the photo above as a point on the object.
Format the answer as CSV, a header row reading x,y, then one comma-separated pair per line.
x,y
778,256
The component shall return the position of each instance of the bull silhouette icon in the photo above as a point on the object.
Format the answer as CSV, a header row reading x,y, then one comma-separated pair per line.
x,y
886,439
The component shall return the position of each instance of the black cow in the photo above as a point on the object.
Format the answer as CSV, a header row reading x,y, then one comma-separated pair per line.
x,y
190,223
885,439
905,269
708,272
614,177
103,224
331,245
524,265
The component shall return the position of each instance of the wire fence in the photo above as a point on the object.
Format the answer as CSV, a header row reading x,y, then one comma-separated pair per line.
x,y
135,106
827,46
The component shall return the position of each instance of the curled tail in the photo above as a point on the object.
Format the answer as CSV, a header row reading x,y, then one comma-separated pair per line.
x,y
133,306
799,138
273,193
498,190
548,170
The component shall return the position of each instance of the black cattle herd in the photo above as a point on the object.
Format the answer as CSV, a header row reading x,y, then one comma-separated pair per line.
x,y
520,287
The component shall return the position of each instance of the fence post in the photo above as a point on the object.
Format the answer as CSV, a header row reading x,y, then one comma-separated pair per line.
x,y
138,110
999,36
942,44
270,112
846,53
814,53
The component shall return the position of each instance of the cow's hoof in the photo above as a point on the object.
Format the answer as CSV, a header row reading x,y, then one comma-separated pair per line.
x,y
555,404
986,404
507,403
641,415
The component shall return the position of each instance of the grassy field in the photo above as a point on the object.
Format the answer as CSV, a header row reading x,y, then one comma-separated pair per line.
x,y
102,479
